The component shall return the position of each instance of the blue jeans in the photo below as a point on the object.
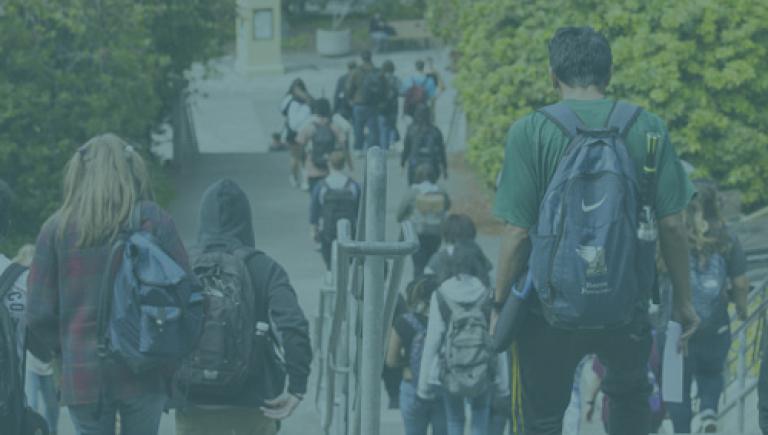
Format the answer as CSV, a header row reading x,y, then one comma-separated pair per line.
x,y
386,132
43,387
418,413
365,116
139,415
481,413
705,362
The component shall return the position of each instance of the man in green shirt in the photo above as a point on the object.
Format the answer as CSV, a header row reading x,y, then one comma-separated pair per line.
x,y
580,67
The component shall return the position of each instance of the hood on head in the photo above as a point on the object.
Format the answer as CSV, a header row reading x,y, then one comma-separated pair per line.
x,y
225,216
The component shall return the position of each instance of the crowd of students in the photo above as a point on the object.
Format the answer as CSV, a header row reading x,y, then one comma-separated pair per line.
x,y
113,297
364,113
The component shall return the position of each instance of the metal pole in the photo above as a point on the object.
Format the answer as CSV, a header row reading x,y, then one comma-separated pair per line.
x,y
742,373
373,293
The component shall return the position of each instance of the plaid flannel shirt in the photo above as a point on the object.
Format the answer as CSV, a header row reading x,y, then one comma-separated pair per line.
x,y
63,295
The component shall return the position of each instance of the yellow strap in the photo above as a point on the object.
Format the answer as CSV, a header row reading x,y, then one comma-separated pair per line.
x,y
517,391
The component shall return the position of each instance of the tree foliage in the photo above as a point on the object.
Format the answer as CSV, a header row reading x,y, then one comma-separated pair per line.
x,y
71,69
699,64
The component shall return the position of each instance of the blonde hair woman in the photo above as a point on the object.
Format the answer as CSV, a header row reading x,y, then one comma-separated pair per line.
x,y
104,180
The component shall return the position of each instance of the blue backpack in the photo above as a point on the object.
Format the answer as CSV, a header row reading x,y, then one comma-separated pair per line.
x,y
150,310
707,283
589,267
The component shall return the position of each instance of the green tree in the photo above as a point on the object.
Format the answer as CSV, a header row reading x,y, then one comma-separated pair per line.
x,y
697,63
71,69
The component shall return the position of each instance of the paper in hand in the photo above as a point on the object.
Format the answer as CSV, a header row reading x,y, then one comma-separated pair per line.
x,y
672,380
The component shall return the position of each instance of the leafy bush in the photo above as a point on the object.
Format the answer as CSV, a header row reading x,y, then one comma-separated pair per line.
x,y
71,69
699,64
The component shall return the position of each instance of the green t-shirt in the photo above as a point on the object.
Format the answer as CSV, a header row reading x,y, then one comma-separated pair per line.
x,y
535,146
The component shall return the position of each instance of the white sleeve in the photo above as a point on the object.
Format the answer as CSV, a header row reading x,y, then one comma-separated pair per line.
x,y
432,343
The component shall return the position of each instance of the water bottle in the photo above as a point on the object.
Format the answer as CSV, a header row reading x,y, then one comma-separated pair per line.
x,y
647,229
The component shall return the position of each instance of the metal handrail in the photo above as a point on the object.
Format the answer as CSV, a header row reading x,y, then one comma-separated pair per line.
x,y
757,318
357,408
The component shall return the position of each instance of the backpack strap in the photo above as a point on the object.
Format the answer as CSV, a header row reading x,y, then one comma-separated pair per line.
x,y
565,118
135,217
444,306
8,278
622,117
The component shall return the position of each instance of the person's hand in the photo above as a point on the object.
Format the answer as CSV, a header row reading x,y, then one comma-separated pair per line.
x,y
686,315
281,407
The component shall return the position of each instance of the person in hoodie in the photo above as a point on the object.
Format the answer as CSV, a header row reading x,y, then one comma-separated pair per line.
x,y
225,220
426,204
464,289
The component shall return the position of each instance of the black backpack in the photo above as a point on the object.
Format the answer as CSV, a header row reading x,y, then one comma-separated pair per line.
x,y
338,204
323,144
374,88
220,363
15,417
426,146
236,344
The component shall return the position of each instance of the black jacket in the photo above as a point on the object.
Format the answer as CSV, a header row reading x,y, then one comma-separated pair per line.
x,y
225,220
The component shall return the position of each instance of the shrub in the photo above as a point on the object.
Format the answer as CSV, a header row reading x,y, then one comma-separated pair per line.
x,y
699,64
72,69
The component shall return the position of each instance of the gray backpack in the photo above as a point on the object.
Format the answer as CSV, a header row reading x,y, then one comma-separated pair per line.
x,y
590,269
467,358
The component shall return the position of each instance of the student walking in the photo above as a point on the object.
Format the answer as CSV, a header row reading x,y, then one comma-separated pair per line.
x,y
389,108
459,230
406,345
424,144
418,89
458,361
426,204
366,88
591,289
106,190
337,197
248,294
16,418
320,136
341,101
296,111
718,275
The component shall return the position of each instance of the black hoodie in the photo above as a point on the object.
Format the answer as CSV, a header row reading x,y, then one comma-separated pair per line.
x,y
225,220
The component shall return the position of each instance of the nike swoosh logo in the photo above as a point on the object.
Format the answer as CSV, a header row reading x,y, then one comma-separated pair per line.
x,y
589,208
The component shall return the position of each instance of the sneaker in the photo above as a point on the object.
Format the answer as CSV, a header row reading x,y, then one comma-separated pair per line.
x,y
709,426
292,181
708,420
